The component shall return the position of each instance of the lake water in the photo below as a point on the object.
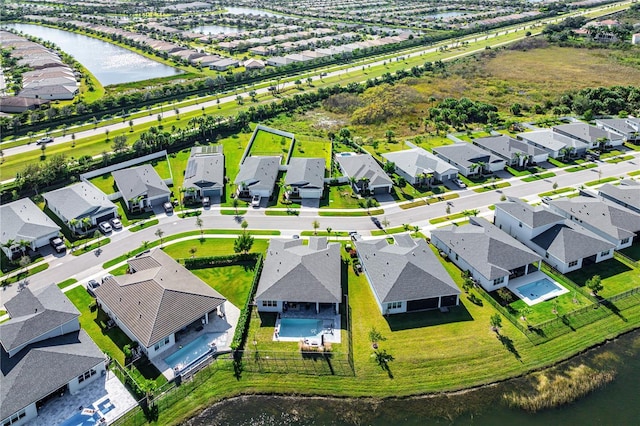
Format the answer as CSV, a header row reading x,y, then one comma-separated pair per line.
x,y
109,63
615,404
215,29
250,11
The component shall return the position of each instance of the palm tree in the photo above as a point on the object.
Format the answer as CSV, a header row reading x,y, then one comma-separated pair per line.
x,y
315,225
86,223
199,224
235,204
385,223
329,231
159,233
8,244
24,245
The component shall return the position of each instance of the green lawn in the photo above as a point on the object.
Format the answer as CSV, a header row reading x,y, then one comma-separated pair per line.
x,y
616,275
209,247
22,275
581,167
538,177
267,143
492,187
372,212
340,197
601,181
143,225
633,252
107,184
312,147
543,311
233,282
66,283
556,192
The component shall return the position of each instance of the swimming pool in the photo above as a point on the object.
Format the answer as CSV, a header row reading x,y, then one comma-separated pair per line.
x,y
86,417
539,290
191,353
299,327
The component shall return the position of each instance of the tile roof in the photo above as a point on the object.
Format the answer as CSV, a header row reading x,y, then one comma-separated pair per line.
x,y
306,172
364,166
405,270
417,161
23,220
301,273
79,201
490,251
138,181
160,298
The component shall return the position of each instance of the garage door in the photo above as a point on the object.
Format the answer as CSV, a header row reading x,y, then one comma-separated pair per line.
x,y
212,193
381,190
422,304
105,217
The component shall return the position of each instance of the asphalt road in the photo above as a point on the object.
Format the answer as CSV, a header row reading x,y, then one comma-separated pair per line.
x,y
89,266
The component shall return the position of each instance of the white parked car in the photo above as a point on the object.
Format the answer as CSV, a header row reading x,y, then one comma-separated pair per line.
x,y
460,183
115,223
105,227
255,201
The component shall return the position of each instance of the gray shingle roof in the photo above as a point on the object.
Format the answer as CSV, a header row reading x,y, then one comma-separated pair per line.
x,y
466,154
582,131
364,166
305,172
405,270
79,201
160,298
417,161
23,220
35,314
608,217
628,194
301,273
532,216
620,125
569,242
490,251
139,181
551,140
205,169
507,147
258,172
43,367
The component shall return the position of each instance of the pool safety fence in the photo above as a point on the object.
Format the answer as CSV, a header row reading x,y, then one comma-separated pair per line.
x,y
314,363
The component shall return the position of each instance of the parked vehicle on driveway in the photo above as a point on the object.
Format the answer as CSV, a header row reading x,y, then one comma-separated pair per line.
x,y
91,286
105,227
115,223
460,183
168,207
255,201
57,244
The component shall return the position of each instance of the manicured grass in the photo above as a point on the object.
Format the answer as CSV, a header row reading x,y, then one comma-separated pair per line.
x,y
430,200
109,341
340,197
67,283
453,216
581,167
86,248
266,143
121,270
373,212
492,187
144,225
233,282
104,183
239,212
8,266
320,233
209,247
601,181
526,172
290,212
395,230
634,173
129,218
633,252
312,147
556,192
22,275
178,162
538,177
620,159
617,276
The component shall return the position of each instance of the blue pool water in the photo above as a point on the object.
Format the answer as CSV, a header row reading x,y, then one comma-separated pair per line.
x,y
296,327
538,288
80,419
190,353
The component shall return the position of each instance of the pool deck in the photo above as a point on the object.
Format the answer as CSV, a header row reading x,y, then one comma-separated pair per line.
x,y
335,336
222,329
102,392
532,299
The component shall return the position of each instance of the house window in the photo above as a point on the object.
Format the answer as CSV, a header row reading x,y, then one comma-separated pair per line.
x,y
394,305
546,254
573,263
520,224
162,343
605,253
85,376
624,241
269,303
456,256
498,281
15,418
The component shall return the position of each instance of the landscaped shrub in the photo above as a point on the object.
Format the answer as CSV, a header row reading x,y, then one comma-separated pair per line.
x,y
243,322
213,261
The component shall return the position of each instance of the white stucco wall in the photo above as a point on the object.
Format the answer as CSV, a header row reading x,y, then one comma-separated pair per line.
x,y
30,413
75,386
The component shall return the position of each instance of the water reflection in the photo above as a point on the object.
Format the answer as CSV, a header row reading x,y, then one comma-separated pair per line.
x,y
109,63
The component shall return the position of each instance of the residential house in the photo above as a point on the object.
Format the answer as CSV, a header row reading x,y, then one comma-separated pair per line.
x,y
44,354
296,274
627,194
141,187
156,299
512,151
257,176
628,128
490,255
564,245
420,167
608,220
556,144
593,136
24,226
17,104
254,64
406,276
305,178
80,206
204,175
364,172
224,64
469,159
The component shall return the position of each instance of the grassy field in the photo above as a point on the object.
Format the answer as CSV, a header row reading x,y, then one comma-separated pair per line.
x,y
617,276
209,247
267,143
107,185
233,282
